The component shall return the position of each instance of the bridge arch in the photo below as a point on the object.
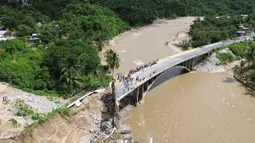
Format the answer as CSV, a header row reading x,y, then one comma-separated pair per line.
x,y
168,74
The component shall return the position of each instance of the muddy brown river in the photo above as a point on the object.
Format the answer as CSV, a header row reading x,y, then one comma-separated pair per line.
x,y
195,107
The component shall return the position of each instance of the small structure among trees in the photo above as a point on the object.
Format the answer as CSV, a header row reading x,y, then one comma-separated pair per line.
x,y
33,39
4,35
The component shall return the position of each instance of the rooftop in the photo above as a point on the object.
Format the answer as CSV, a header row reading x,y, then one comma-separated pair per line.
x,y
2,32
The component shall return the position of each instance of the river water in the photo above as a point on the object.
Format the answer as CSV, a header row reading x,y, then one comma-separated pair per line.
x,y
195,107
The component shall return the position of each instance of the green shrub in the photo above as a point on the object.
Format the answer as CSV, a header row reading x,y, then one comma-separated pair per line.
x,y
239,49
185,44
225,58
14,122
23,109
29,129
42,118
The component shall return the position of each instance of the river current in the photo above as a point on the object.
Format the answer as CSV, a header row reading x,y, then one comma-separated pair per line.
x,y
195,107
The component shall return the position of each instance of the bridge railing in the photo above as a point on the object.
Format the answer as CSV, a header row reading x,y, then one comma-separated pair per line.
x,y
166,63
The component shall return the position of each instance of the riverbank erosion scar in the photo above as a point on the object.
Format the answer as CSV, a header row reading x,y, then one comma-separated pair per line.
x,y
81,126
17,108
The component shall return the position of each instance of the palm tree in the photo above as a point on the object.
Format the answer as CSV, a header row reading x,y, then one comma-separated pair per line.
x,y
71,77
112,60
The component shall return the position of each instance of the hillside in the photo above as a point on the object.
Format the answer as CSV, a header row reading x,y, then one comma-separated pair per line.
x,y
65,60
78,30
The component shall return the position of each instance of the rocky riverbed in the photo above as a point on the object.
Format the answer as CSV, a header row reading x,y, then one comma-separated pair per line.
x,y
212,63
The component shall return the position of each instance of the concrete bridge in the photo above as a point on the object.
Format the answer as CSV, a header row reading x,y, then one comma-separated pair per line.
x,y
187,59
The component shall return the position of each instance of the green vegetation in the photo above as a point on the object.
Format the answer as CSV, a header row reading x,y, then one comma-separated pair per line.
x,y
246,70
211,30
140,12
14,122
185,44
225,58
245,53
112,60
42,118
214,29
23,109
58,68
72,33
236,51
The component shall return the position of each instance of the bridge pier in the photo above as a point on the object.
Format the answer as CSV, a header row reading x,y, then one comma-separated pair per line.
x,y
191,64
141,90
136,95
116,119
187,64
146,85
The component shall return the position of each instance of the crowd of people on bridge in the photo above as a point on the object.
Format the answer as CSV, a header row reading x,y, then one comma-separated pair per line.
x,y
143,67
128,80
132,71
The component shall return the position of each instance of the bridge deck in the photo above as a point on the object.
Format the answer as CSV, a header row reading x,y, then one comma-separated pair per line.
x,y
121,91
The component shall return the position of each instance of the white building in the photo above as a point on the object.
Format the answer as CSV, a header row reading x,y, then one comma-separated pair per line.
x,y
3,37
2,32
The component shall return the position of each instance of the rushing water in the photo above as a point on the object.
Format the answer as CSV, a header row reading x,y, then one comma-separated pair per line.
x,y
143,45
196,108
190,108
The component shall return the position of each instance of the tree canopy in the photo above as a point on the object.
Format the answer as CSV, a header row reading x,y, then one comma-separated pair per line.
x,y
72,32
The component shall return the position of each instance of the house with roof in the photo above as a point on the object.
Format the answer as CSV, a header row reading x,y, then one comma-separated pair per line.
x,y
33,39
2,33
4,36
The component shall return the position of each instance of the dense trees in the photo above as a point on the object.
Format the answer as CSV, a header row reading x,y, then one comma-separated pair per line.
x,y
140,12
134,12
72,32
63,67
246,70
214,29
20,66
69,59
91,22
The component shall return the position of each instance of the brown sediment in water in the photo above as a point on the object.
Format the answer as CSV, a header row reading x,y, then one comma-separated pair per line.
x,y
142,45
196,107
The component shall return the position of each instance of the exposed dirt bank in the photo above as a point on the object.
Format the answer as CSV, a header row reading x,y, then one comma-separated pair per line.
x,y
80,127
8,112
